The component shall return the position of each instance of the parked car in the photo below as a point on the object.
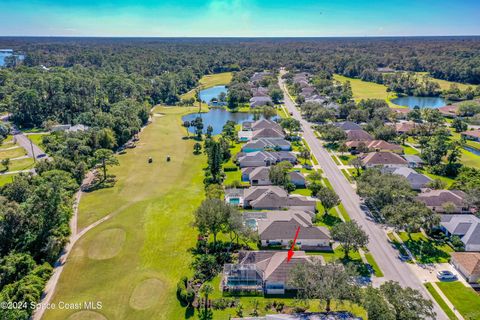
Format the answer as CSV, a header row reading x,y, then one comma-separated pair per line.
x,y
404,257
41,155
446,275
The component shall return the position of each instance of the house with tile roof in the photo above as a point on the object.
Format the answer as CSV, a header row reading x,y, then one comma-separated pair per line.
x,y
383,159
263,271
375,146
358,135
467,264
445,201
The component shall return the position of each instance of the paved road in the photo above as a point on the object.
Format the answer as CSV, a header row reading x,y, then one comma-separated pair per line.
x,y
32,149
384,254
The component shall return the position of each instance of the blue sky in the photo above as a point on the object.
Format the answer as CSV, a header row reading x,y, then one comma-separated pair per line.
x,y
239,17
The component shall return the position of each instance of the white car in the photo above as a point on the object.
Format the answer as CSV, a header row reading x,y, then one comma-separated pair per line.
x,y
446,275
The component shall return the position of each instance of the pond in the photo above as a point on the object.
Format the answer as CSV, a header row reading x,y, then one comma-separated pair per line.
x,y
472,150
217,117
212,93
422,102
7,53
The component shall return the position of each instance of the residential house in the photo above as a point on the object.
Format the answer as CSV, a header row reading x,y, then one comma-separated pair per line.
x,y
259,101
406,127
272,144
267,133
375,146
358,135
383,159
471,135
297,178
260,176
445,201
417,181
259,92
467,264
348,125
307,92
259,76
337,315
277,230
465,226
414,161
264,124
401,113
449,111
268,198
264,158
263,271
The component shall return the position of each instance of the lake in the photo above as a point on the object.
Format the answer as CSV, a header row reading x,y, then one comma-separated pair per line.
x,y
217,118
422,102
7,53
208,94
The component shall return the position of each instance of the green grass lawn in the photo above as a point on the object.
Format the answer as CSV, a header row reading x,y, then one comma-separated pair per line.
x,y
12,153
440,301
210,80
21,164
345,158
426,250
409,150
448,181
465,300
366,90
6,178
37,138
148,238
373,263
445,84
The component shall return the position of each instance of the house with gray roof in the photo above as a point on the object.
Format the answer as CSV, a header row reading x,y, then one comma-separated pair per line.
x,y
265,123
271,144
268,198
267,133
264,158
417,180
445,201
259,101
260,176
465,226
277,230
414,161
259,76
348,125
263,271
259,92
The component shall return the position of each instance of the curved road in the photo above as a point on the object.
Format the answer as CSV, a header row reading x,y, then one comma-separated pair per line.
x,y
385,255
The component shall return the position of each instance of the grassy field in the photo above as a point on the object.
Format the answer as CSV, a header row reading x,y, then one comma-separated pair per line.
x,y
12,153
440,301
465,300
444,84
366,90
132,262
210,80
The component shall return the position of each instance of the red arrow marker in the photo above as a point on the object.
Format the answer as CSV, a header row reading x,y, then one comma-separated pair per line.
x,y
290,252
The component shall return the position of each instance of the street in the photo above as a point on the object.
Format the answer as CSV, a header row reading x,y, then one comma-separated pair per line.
x,y
385,255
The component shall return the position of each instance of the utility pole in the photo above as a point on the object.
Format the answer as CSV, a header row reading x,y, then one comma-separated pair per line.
x,y
33,152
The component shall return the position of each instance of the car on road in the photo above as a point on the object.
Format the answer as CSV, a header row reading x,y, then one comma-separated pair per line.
x,y
445,275
41,155
404,257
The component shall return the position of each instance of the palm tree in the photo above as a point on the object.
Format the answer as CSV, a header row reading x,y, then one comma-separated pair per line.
x,y
206,290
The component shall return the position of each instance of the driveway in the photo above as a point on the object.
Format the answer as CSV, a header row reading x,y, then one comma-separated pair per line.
x,y
385,255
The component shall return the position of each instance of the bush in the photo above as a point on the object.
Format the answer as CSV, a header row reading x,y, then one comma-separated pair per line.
x,y
229,168
185,292
223,303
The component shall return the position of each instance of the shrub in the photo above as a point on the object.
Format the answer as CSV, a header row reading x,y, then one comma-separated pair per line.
x,y
229,168
185,292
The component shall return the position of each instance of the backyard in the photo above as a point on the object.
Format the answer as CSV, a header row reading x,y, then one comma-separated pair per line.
x,y
132,262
